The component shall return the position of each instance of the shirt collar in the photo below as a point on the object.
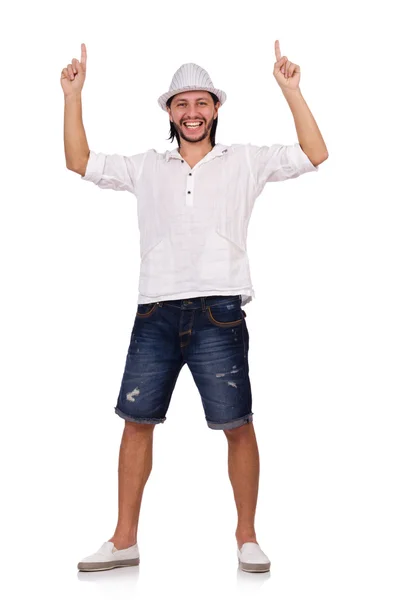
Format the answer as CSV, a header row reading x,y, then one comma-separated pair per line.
x,y
217,150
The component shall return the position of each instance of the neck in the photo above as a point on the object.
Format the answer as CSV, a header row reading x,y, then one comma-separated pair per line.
x,y
196,150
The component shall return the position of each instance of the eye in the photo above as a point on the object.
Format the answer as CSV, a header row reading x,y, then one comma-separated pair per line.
x,y
184,103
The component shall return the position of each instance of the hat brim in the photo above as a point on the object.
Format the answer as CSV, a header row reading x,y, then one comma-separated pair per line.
x,y
163,99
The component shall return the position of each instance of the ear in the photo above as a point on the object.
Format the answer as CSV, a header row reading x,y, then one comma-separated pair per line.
x,y
217,106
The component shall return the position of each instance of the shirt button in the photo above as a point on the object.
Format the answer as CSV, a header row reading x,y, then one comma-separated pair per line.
x,y
189,192
182,161
189,173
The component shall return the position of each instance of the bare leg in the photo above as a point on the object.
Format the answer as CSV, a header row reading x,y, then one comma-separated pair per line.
x,y
135,465
243,465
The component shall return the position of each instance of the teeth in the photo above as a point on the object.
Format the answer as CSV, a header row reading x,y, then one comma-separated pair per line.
x,y
192,125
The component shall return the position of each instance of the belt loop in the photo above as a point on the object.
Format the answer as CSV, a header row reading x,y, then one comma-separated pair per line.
x,y
203,303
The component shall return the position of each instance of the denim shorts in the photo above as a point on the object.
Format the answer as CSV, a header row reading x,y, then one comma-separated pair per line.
x,y
207,333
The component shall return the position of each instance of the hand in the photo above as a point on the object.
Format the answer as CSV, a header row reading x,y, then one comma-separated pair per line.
x,y
73,76
287,74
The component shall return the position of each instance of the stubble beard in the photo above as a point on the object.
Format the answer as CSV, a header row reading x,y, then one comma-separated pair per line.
x,y
199,138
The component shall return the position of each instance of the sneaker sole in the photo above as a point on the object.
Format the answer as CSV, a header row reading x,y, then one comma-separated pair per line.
x,y
104,566
254,567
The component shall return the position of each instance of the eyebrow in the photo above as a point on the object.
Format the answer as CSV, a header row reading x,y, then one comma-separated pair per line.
x,y
185,99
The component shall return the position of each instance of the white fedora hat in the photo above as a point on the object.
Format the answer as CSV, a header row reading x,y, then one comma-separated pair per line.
x,y
187,78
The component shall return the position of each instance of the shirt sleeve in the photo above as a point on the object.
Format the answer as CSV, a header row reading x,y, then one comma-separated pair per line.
x,y
277,162
114,171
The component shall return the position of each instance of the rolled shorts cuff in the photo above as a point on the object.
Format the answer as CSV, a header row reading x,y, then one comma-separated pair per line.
x,y
138,419
231,424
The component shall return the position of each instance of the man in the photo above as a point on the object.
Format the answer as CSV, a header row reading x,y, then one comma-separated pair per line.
x,y
194,205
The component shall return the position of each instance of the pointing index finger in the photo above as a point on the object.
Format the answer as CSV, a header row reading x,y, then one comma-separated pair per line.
x,y
277,50
83,55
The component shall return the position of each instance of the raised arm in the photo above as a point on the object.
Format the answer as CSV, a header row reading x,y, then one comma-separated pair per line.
x,y
75,141
287,75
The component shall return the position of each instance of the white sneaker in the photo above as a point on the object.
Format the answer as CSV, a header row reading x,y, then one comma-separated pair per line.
x,y
252,559
108,557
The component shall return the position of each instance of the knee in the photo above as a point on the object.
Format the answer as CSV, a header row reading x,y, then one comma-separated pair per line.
x,y
131,427
236,433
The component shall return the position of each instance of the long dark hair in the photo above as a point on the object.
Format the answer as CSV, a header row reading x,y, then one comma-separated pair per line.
x,y
174,133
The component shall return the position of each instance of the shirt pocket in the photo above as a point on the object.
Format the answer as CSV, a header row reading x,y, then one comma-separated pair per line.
x,y
153,224
149,239
234,229
234,206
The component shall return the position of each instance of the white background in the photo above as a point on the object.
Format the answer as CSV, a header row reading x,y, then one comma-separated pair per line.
x,y
322,327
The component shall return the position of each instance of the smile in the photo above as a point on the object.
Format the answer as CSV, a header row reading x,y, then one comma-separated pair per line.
x,y
193,125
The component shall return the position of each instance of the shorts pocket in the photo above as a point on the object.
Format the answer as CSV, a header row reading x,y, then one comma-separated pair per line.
x,y
225,315
146,310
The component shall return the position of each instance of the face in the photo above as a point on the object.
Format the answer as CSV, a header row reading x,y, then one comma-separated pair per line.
x,y
191,107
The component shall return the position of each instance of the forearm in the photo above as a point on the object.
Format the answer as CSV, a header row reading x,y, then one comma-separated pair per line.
x,y
75,141
309,135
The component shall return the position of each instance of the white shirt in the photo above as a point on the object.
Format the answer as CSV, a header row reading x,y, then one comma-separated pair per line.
x,y
193,221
